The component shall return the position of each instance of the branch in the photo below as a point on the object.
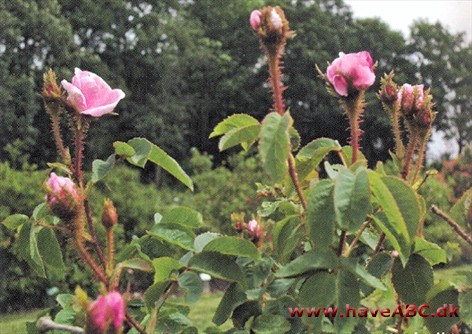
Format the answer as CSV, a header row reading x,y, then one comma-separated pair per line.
x,y
133,323
463,234
45,324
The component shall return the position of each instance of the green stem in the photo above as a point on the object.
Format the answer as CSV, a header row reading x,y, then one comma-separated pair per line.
x,y
419,161
409,154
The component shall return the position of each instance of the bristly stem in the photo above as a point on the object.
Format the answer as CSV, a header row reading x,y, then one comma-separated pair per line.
x,y
410,152
354,109
397,132
276,83
294,176
464,235
93,234
56,131
110,249
354,126
419,161
79,135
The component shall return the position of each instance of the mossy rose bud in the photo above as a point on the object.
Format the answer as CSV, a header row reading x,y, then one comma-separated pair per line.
x,y
62,196
350,73
255,19
388,89
106,314
109,215
254,229
90,95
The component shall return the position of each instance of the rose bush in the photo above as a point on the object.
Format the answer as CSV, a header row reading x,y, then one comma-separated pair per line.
x,y
350,235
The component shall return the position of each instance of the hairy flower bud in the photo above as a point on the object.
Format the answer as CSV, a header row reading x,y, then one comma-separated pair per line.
x,y
52,94
350,73
62,196
416,106
239,226
106,314
109,215
272,28
254,229
90,95
388,89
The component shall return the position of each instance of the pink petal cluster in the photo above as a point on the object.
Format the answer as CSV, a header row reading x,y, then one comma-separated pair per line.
x,y
60,188
91,95
275,19
254,229
255,19
351,71
411,96
106,310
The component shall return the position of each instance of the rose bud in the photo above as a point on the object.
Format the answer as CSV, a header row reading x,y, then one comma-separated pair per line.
x,y
239,226
350,73
62,196
90,95
254,230
388,89
109,215
255,19
106,314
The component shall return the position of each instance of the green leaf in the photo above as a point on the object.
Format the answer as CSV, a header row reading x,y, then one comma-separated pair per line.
x,y
101,168
164,267
465,307
203,239
319,290
442,295
162,159
123,149
137,264
192,284
310,156
430,251
295,139
233,297
174,234
14,221
378,266
60,167
246,135
358,270
400,214
460,210
233,122
233,246
51,254
268,323
28,246
217,265
65,317
414,281
145,150
314,259
351,198
184,216
317,149
320,215
65,300
348,292
154,293
274,144
347,154
285,237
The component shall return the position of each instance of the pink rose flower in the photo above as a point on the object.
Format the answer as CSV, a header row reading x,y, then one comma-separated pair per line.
x,y
255,19
353,71
60,188
91,95
107,310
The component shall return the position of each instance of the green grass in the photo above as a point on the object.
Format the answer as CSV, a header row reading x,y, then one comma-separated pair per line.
x,y
15,322
202,312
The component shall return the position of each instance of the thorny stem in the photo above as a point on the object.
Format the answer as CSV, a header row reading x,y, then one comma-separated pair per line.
x,y
294,176
409,154
93,234
85,255
419,161
56,130
275,80
464,235
379,244
354,125
110,249
395,113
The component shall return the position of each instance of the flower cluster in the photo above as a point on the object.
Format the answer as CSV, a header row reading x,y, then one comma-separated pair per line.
x,y
416,106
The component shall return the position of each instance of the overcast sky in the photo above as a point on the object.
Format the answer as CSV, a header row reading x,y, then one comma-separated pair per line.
x,y
456,15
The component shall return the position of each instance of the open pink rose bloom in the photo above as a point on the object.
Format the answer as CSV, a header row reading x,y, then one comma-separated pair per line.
x,y
91,95
108,310
352,71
